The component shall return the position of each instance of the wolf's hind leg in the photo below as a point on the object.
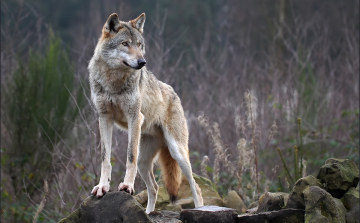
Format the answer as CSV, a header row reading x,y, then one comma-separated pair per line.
x,y
180,154
148,151
106,126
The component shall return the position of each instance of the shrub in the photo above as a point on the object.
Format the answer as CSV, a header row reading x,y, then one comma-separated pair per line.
x,y
38,113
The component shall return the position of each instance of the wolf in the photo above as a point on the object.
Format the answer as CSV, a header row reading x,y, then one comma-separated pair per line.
x,y
127,95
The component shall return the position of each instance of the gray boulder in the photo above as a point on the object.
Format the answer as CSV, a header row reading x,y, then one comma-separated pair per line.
x,y
281,216
339,175
112,207
209,214
322,207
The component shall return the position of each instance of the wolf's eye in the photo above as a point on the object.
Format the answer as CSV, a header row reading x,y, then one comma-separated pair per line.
x,y
125,44
139,44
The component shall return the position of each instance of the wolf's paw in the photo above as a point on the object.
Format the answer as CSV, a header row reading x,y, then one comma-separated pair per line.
x,y
127,188
101,189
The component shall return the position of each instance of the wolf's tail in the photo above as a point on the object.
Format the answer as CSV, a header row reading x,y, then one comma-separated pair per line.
x,y
171,173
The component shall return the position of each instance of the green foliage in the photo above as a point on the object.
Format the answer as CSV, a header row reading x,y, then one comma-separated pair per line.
x,y
225,183
196,156
21,211
38,112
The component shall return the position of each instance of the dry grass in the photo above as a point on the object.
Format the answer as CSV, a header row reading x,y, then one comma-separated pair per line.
x,y
43,200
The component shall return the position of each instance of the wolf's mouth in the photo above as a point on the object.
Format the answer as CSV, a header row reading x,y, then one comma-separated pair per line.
x,y
127,64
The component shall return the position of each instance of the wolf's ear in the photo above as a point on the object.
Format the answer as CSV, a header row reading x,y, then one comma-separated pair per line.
x,y
138,23
112,25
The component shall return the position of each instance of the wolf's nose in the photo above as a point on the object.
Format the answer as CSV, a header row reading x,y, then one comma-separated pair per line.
x,y
141,62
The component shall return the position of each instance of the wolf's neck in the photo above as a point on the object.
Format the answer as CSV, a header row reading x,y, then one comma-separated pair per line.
x,y
116,81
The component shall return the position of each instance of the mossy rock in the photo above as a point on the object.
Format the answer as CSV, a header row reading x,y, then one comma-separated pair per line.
x,y
320,206
296,198
272,201
254,204
234,201
339,175
351,203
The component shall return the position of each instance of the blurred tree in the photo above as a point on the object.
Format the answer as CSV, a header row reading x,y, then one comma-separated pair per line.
x,y
38,113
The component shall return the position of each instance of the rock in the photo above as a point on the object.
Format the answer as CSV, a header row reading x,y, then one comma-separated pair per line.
x,y
252,210
112,207
315,217
351,198
165,217
272,201
234,201
341,210
339,175
184,198
142,197
296,198
353,215
281,216
254,205
209,214
351,203
322,207
252,218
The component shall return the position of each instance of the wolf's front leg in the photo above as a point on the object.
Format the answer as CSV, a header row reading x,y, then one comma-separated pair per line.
x,y
106,124
132,153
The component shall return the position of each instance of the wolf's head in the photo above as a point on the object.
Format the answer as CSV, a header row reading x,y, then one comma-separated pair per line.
x,y
122,44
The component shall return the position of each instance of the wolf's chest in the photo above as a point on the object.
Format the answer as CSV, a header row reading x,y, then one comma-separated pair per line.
x,y
119,116
108,104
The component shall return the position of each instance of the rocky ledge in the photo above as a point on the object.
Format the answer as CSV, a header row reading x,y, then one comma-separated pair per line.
x,y
331,197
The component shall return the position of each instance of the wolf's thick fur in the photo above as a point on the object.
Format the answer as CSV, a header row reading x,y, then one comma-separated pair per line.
x,y
126,94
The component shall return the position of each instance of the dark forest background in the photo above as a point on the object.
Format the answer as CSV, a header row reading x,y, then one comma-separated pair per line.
x,y
245,71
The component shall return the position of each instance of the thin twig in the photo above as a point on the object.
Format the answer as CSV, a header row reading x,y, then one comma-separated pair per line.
x,y
43,200
285,167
